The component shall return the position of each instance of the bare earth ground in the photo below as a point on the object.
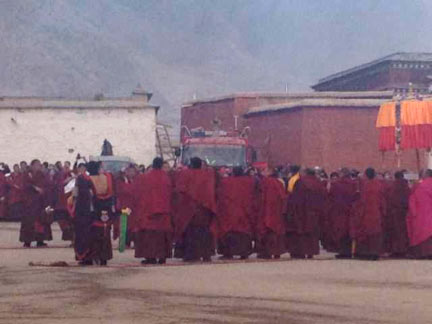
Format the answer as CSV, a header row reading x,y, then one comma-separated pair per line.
x,y
286,291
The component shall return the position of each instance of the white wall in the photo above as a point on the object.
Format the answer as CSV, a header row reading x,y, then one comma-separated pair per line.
x,y
49,133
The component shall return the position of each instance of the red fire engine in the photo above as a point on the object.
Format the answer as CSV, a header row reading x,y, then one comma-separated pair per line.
x,y
217,148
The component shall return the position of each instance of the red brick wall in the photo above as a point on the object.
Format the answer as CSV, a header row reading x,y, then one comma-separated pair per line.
x,y
329,137
326,137
242,105
348,138
277,137
202,114
340,136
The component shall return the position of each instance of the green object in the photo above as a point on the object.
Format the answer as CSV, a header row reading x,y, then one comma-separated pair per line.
x,y
123,232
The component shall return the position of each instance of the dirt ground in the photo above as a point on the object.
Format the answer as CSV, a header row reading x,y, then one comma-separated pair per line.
x,y
286,291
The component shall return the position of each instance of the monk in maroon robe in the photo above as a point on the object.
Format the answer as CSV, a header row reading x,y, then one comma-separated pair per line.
x,y
16,194
125,191
94,216
82,217
61,212
36,187
195,210
153,213
395,231
306,210
3,195
342,195
271,217
419,219
235,215
367,218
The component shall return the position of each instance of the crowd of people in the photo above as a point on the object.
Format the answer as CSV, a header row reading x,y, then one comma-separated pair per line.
x,y
195,212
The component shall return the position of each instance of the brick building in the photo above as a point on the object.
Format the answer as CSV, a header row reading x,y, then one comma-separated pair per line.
x,y
331,127
232,109
328,129
330,133
393,72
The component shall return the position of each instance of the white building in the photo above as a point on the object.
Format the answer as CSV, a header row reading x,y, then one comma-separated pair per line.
x,y
57,129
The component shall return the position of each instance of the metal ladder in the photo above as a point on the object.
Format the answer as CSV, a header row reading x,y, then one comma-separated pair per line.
x,y
164,147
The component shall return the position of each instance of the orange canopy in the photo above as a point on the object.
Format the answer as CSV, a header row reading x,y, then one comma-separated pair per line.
x,y
416,124
413,112
387,115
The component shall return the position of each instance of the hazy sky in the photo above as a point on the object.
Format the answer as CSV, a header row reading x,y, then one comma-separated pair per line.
x,y
205,47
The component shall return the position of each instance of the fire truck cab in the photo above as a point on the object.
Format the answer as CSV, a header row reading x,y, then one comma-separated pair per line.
x,y
217,148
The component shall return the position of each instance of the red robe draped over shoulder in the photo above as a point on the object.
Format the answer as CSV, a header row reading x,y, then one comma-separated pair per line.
x,y
195,188
3,196
395,230
125,193
16,187
32,196
32,227
341,196
235,205
153,202
419,219
272,207
307,206
368,211
60,196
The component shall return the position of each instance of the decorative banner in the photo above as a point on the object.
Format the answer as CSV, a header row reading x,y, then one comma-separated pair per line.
x,y
416,125
386,115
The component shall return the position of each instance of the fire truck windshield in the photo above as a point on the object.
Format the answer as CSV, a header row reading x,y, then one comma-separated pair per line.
x,y
217,156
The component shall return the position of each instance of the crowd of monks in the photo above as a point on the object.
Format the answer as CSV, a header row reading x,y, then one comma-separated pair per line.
x,y
195,212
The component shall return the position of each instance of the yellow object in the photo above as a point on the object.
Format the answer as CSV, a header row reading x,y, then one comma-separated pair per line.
x,y
386,115
413,112
292,181
126,211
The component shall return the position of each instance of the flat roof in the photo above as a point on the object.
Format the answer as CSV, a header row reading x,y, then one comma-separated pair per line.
x,y
299,95
399,57
317,103
61,103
